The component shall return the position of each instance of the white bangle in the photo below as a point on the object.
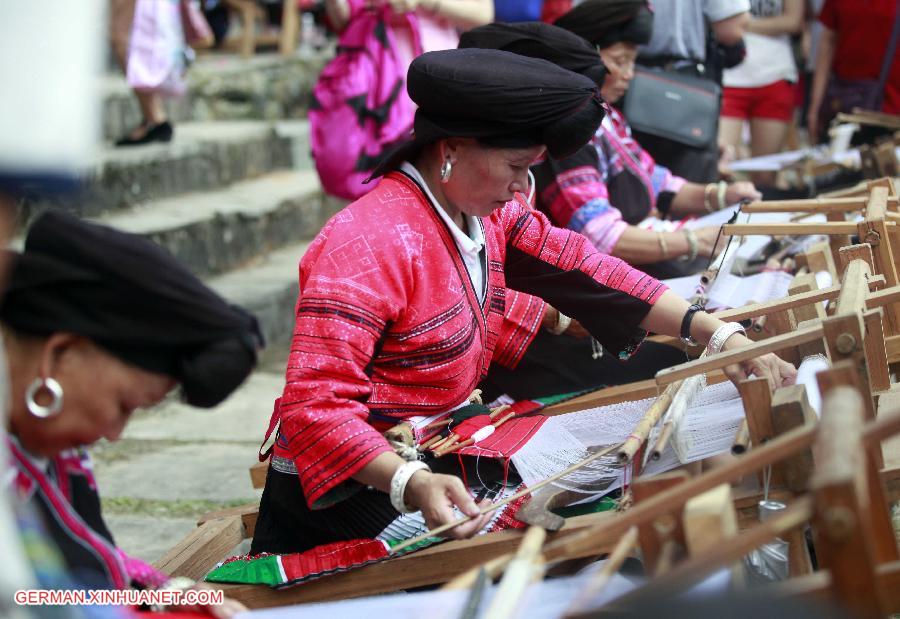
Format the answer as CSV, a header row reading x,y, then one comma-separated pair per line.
x,y
398,484
562,323
721,335
723,188
693,245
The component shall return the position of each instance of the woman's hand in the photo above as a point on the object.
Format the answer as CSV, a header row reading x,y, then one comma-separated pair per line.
x,y
550,320
741,190
436,495
706,240
775,370
577,330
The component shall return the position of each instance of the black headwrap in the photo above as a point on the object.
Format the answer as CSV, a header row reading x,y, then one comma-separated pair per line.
x,y
132,298
539,40
606,22
499,97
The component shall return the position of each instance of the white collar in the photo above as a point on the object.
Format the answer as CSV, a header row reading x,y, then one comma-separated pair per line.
x,y
467,244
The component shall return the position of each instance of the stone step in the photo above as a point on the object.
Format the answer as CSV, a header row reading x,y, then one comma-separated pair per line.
x,y
225,87
268,288
202,156
213,232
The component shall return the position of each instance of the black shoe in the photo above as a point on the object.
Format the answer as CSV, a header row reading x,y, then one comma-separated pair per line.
x,y
156,133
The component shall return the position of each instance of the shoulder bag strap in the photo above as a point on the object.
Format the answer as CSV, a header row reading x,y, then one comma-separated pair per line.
x,y
888,60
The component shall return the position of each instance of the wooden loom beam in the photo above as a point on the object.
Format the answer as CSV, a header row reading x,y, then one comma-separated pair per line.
x,y
844,544
794,301
837,513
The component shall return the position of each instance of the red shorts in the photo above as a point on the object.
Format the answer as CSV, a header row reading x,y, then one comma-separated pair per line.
x,y
774,101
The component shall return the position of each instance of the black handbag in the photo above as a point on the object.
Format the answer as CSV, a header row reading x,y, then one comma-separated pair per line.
x,y
679,107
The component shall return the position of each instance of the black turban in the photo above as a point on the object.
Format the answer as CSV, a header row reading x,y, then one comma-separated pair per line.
x,y
539,40
607,22
499,97
132,298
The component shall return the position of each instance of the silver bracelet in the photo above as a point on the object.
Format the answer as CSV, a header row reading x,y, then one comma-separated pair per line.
x,y
693,245
398,484
562,323
721,335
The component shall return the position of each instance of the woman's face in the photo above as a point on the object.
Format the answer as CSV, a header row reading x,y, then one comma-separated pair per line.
x,y
485,178
619,59
100,392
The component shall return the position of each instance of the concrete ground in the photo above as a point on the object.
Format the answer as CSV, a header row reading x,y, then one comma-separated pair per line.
x,y
174,463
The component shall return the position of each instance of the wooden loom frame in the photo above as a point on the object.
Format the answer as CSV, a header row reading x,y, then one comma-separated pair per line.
x,y
220,532
866,582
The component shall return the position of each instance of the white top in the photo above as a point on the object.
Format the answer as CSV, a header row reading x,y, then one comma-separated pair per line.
x,y
680,25
769,58
470,245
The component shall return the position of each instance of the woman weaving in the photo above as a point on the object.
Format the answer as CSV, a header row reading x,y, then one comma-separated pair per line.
x,y
96,324
402,296
612,189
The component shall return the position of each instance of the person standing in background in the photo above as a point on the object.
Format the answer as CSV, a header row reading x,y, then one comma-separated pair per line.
x,y
682,46
439,20
760,91
155,126
856,62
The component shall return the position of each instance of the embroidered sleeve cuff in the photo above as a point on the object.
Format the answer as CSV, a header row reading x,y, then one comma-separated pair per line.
x,y
521,323
327,454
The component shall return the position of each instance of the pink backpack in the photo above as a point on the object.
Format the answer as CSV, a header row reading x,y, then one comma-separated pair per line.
x,y
360,108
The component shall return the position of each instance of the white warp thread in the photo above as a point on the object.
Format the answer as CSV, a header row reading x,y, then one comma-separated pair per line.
x,y
564,440
708,427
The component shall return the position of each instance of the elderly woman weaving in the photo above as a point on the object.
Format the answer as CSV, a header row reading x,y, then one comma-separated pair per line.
x,y
609,189
403,292
98,323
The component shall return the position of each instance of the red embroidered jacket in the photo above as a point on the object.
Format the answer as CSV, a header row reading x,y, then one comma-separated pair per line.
x,y
389,326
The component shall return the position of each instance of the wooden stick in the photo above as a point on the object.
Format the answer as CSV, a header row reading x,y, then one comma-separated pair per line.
x,y
492,568
642,430
443,451
830,228
687,391
662,440
814,205
453,438
666,558
470,610
598,581
519,575
741,439
722,359
432,442
487,509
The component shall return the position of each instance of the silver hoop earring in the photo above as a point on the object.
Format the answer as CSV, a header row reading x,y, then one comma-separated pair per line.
x,y
446,170
56,393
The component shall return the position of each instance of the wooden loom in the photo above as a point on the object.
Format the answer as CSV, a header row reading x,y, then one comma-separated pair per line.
x,y
220,532
879,208
700,514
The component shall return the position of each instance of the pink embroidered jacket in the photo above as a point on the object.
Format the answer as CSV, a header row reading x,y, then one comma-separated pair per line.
x,y
389,326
